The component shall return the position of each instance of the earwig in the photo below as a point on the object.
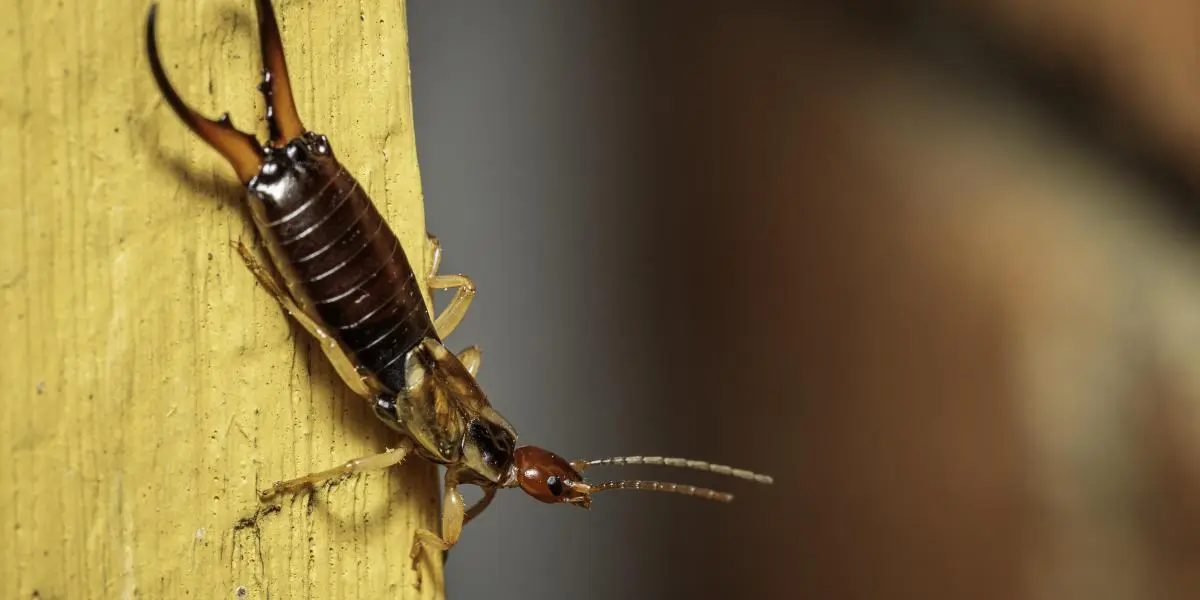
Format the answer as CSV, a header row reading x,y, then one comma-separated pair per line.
x,y
344,277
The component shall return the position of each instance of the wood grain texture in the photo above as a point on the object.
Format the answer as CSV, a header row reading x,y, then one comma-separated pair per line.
x,y
151,386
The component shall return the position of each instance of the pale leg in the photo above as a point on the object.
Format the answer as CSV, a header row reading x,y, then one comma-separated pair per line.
x,y
454,312
435,259
358,465
478,507
453,515
341,362
470,358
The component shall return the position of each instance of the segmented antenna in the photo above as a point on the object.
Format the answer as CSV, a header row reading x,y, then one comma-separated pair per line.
x,y
698,465
659,486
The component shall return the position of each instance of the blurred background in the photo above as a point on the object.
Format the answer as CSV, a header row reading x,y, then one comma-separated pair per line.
x,y
934,266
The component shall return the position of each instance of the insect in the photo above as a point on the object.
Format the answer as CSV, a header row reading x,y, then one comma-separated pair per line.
x,y
344,277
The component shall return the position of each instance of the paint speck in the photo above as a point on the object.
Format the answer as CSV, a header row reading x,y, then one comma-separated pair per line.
x,y
40,387
200,533
241,592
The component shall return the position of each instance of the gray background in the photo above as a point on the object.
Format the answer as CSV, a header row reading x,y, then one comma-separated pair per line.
x,y
892,253
865,247
528,155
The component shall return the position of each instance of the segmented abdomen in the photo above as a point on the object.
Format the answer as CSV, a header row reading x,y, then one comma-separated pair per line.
x,y
340,259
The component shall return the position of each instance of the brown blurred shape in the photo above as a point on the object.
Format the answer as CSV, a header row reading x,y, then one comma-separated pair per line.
x,y
965,344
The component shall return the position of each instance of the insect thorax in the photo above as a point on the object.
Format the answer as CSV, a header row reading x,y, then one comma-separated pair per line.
x,y
442,408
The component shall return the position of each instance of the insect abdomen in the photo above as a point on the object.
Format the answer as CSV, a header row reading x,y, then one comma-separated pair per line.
x,y
340,259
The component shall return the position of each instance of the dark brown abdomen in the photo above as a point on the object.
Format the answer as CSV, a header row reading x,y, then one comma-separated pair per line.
x,y
341,260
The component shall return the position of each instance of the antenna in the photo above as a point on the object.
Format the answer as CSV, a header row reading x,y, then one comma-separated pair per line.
x,y
698,465
660,486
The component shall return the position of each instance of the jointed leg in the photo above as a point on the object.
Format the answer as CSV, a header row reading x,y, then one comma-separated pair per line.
x,y
341,363
358,465
454,312
435,259
478,507
470,358
453,516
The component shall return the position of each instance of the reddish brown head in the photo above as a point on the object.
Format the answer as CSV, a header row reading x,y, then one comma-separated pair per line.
x,y
547,477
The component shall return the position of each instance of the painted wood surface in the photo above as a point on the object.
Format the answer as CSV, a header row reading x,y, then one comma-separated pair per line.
x,y
151,386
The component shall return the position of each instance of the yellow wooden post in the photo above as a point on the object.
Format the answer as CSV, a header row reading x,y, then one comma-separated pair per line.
x,y
150,386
